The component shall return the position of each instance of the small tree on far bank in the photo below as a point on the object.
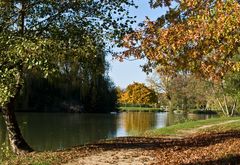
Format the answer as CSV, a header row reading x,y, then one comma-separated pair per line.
x,y
227,93
138,93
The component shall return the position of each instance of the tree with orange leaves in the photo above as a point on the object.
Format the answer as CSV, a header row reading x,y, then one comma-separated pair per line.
x,y
194,36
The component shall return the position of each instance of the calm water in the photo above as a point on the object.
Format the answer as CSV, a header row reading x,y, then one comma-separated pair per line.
x,y
52,131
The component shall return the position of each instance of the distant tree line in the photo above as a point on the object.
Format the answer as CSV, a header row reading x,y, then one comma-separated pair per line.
x,y
185,91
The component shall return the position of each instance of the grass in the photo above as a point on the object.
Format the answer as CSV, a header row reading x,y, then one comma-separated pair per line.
x,y
132,109
224,127
49,157
44,158
179,129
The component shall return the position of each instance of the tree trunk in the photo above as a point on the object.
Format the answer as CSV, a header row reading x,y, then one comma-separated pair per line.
x,y
234,107
17,142
226,108
170,106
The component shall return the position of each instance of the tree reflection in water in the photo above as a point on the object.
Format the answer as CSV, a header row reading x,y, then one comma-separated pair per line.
x,y
51,131
135,123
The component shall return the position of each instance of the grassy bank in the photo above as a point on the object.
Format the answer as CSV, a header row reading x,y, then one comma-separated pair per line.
x,y
49,157
140,109
44,158
214,124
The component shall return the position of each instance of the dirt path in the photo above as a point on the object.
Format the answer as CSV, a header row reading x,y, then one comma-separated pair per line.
x,y
118,157
218,148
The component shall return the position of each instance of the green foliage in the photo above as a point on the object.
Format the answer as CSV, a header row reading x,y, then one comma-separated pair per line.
x,y
18,55
232,84
183,91
227,93
5,153
48,36
68,92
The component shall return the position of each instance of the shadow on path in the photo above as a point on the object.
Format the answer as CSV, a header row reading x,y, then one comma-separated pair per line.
x,y
152,143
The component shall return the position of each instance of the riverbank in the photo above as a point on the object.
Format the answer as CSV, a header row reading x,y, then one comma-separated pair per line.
x,y
140,109
199,126
150,109
210,141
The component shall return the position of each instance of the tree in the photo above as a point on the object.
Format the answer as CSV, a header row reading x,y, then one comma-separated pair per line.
x,y
183,90
138,93
35,34
227,93
119,93
198,37
81,86
202,38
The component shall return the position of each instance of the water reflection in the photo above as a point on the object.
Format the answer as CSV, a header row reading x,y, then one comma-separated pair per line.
x,y
57,131
174,118
138,122
199,116
46,131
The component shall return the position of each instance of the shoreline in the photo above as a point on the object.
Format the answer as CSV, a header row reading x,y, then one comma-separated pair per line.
x,y
193,138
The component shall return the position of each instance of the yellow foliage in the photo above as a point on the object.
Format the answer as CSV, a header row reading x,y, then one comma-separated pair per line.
x,y
137,93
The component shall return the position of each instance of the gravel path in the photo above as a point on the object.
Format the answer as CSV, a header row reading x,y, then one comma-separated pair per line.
x,y
118,157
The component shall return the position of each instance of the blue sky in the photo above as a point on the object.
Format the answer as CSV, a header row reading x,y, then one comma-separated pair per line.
x,y
124,73
127,72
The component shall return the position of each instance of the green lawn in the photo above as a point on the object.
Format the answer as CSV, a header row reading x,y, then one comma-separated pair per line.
x,y
140,109
179,129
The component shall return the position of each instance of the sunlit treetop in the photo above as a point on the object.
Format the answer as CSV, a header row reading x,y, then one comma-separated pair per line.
x,y
195,36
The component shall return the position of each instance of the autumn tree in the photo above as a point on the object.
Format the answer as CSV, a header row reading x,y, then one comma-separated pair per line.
x,y
184,91
36,34
119,93
199,37
138,93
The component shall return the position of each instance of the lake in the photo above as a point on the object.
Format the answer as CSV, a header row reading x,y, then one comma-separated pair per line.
x,y
52,131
